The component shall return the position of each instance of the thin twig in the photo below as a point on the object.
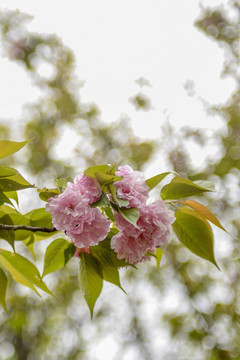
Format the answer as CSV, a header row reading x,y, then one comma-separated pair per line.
x,y
25,227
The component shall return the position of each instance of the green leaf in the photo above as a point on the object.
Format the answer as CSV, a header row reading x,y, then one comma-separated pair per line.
x,y
7,171
58,253
7,235
120,202
113,169
39,217
14,182
155,180
206,184
111,255
195,233
61,184
4,199
12,195
29,243
158,255
102,202
45,193
131,215
98,168
180,187
90,278
10,216
105,179
22,270
107,258
109,213
8,148
204,211
3,289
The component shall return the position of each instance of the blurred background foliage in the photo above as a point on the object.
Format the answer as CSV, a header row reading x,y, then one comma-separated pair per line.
x,y
187,310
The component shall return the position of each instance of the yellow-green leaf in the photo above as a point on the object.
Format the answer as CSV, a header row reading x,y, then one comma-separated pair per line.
x,y
57,255
180,187
22,270
104,169
13,182
158,255
12,195
8,148
204,211
45,193
106,179
155,180
120,202
90,279
7,171
4,199
106,257
195,233
131,215
3,289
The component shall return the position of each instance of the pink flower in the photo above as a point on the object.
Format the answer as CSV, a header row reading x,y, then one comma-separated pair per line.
x,y
71,213
89,228
65,207
132,188
88,186
154,230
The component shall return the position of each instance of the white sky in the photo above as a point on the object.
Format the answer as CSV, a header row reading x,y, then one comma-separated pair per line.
x,y
115,43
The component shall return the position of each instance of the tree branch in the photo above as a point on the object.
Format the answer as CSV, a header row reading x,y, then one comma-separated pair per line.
x,y
25,227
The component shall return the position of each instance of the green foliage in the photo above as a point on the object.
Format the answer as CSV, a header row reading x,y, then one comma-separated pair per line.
x,y
100,262
107,259
3,289
105,179
119,202
8,148
204,211
155,180
4,199
45,193
131,215
22,270
180,187
158,255
104,174
12,182
58,253
195,233
90,279
12,195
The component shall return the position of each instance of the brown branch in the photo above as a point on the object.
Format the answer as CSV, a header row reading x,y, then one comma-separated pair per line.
x,y
25,227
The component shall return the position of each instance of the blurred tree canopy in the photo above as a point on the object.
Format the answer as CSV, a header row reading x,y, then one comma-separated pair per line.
x,y
61,106
191,310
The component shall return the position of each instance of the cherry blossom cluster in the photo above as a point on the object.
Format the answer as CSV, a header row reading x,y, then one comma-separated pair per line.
x,y
86,226
72,212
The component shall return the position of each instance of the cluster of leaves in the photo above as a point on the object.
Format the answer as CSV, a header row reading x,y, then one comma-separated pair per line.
x,y
99,262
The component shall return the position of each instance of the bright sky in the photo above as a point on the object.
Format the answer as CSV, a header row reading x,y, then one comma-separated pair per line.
x,y
117,42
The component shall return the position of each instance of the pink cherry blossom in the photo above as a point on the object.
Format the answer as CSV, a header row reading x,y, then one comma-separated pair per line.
x,y
132,188
154,229
65,207
88,186
89,228
71,213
